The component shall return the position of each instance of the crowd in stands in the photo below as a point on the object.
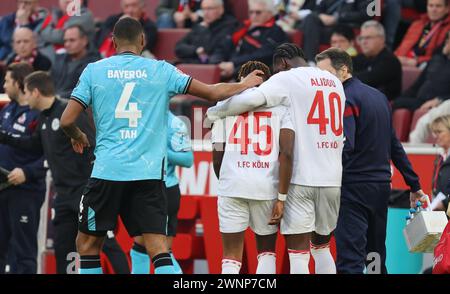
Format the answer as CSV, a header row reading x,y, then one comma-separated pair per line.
x,y
409,35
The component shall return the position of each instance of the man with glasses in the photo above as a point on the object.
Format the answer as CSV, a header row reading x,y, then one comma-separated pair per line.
x,y
28,14
200,45
377,66
256,40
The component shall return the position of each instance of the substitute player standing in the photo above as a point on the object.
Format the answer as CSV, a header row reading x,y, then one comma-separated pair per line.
x,y
129,96
316,101
258,146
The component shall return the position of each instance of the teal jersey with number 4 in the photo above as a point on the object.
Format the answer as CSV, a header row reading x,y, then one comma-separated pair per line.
x,y
129,96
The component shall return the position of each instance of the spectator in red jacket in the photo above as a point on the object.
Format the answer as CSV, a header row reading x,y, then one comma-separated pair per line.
x,y
130,8
425,34
256,40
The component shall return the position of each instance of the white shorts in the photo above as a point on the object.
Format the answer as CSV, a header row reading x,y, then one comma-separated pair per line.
x,y
311,209
237,214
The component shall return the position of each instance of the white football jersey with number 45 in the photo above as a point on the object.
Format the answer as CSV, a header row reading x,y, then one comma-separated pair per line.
x,y
250,163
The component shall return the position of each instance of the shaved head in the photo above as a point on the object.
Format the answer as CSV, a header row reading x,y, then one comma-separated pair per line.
x,y
24,42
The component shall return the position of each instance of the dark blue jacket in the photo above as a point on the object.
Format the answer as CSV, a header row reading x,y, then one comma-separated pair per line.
x,y
7,25
21,121
370,138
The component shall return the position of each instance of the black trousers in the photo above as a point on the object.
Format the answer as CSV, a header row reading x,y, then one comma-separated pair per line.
x,y
173,206
19,224
66,230
361,229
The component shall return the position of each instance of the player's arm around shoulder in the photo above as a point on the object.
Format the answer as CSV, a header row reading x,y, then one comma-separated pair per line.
x,y
237,104
221,91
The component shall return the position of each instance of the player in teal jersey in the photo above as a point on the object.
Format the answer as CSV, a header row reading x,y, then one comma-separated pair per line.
x,y
129,96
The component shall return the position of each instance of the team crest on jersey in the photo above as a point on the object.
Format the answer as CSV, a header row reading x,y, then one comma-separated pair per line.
x,y
22,118
7,114
44,126
55,124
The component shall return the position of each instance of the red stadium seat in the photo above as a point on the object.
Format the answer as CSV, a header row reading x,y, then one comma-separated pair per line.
x,y
417,115
151,8
402,122
7,7
410,14
410,75
102,9
189,208
324,47
187,247
239,8
206,73
167,39
296,37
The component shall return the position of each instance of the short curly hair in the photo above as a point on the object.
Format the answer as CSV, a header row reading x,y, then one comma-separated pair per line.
x,y
250,66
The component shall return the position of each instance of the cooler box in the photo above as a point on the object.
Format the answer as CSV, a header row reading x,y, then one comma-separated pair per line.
x,y
424,231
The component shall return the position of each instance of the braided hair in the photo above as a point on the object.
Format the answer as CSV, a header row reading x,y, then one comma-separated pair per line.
x,y
288,51
250,66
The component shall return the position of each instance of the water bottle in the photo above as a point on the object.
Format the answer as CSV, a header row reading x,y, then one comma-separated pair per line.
x,y
419,206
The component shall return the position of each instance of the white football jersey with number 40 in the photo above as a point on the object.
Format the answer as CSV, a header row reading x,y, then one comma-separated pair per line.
x,y
316,100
